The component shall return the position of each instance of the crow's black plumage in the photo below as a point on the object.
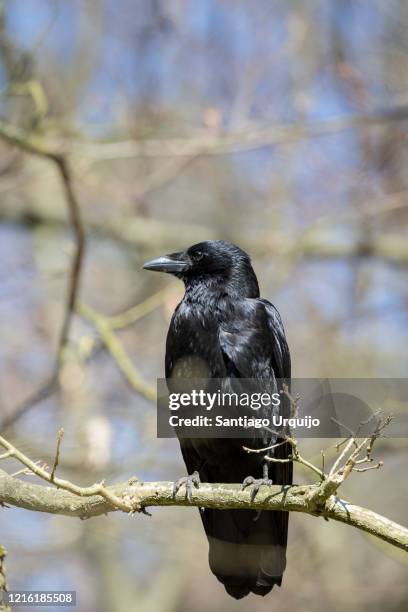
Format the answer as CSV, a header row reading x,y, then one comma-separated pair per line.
x,y
221,329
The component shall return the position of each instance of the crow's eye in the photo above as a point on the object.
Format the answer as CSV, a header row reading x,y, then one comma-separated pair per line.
x,y
198,256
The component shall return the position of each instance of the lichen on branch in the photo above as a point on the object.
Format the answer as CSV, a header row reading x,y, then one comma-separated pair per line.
x,y
69,499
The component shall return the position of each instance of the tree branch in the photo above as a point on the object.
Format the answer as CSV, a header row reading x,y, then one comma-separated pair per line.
x,y
29,144
106,327
222,496
320,242
253,138
317,499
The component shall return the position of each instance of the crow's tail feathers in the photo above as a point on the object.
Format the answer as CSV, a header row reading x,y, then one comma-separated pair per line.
x,y
247,551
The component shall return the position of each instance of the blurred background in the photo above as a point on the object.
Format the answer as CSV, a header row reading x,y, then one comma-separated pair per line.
x,y
282,127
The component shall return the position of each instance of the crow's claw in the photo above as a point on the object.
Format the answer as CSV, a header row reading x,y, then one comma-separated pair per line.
x,y
256,484
189,481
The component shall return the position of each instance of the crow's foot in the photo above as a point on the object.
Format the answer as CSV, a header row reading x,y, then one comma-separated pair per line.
x,y
256,484
193,480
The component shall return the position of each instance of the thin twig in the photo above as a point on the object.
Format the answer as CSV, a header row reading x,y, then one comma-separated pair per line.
x,y
296,456
95,489
57,453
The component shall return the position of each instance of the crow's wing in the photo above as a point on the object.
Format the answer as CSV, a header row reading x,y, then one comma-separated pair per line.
x,y
248,553
253,341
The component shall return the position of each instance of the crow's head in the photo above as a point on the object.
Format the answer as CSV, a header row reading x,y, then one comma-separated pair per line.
x,y
213,262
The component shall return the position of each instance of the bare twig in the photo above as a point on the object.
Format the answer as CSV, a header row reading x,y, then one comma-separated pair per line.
x,y
95,489
293,400
57,453
27,471
356,452
295,456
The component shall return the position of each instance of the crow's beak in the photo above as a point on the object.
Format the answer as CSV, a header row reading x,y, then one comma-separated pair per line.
x,y
173,263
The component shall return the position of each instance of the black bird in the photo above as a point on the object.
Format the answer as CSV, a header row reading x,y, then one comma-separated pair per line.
x,y
227,330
